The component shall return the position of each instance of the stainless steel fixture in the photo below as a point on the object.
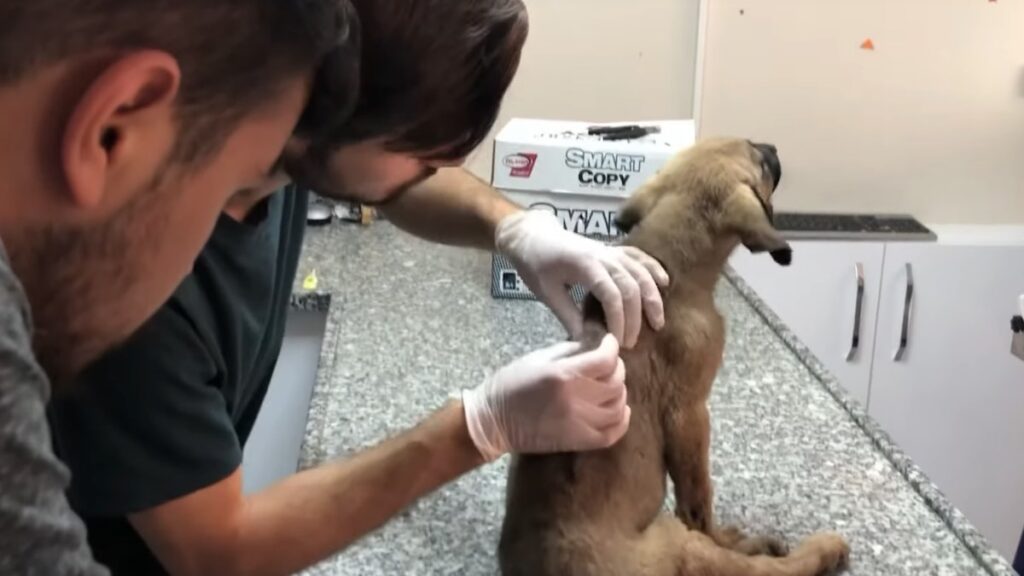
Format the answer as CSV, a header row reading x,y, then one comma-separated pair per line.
x,y
908,305
858,308
1017,325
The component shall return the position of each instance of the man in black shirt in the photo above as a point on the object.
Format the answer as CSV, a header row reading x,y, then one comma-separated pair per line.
x,y
157,467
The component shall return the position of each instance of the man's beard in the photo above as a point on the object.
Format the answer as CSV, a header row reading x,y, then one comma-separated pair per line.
x,y
78,279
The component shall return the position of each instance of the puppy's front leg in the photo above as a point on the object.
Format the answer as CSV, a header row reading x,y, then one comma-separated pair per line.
x,y
687,442
751,219
687,439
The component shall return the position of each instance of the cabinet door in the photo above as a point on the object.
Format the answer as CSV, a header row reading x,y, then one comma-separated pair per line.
x,y
275,444
818,298
954,401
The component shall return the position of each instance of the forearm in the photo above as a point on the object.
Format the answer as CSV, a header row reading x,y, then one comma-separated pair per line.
x,y
453,207
318,512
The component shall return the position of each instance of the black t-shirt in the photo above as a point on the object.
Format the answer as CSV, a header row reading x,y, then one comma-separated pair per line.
x,y
168,412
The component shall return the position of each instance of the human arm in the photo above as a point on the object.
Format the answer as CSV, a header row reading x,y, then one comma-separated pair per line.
x,y
41,533
176,473
454,207
310,515
556,399
152,442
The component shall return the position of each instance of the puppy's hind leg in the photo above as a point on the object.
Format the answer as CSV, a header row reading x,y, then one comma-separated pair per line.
x,y
733,538
819,555
656,551
668,548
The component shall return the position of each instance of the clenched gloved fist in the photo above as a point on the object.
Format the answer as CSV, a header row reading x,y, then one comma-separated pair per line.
x,y
559,399
549,257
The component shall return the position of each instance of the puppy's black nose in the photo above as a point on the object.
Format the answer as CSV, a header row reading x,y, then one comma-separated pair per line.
x,y
770,156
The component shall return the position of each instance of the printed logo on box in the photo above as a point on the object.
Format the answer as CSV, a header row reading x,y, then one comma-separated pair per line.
x,y
582,220
520,165
604,169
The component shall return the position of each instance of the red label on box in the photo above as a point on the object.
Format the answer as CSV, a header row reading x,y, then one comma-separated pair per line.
x,y
520,165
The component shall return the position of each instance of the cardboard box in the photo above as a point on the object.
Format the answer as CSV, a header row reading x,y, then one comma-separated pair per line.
x,y
582,178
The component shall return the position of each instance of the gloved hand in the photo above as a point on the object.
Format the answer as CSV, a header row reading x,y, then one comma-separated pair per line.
x,y
549,257
558,399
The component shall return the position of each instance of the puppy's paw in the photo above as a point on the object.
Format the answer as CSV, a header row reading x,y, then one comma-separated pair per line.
x,y
762,546
696,517
728,536
733,538
831,550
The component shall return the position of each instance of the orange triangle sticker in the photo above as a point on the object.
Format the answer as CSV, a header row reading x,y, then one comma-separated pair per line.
x,y
867,45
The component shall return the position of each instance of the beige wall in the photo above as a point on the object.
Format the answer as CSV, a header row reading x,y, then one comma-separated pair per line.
x,y
603,60
931,122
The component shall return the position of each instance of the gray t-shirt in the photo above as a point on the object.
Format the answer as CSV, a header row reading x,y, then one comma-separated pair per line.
x,y
39,534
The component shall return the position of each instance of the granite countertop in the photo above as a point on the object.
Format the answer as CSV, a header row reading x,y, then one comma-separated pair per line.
x,y
410,323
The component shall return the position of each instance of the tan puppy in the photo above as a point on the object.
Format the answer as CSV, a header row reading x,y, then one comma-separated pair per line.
x,y
599,513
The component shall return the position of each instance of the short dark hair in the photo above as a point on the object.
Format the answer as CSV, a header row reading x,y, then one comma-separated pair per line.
x,y
434,73
234,54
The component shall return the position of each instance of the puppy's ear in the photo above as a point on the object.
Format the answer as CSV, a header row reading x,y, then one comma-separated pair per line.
x,y
636,208
750,218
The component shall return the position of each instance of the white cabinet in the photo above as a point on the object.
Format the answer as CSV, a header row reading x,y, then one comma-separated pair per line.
x,y
954,401
818,297
937,375
275,443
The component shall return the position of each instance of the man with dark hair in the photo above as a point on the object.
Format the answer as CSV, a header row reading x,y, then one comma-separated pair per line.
x,y
125,129
158,475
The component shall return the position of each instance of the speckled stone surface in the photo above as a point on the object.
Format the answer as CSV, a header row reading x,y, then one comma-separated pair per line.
x,y
991,560
411,323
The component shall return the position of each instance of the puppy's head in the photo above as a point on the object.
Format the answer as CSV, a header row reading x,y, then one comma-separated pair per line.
x,y
724,185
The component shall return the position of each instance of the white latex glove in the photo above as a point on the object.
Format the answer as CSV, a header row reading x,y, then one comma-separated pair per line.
x,y
549,257
559,399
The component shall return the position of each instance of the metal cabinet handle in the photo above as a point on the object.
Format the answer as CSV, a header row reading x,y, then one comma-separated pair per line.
x,y
858,271
908,302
